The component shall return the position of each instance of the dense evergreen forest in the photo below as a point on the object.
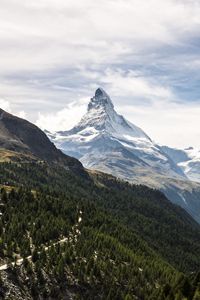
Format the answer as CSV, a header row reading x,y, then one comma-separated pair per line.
x,y
64,236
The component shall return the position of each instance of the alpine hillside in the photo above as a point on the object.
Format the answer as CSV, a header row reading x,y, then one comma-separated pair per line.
x,y
22,140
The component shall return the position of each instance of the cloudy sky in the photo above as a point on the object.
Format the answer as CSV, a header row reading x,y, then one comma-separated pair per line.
x,y
145,54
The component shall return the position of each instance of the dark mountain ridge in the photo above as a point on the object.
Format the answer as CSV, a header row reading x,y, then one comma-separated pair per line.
x,y
21,136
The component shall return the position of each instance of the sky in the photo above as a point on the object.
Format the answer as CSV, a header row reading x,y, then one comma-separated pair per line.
x,y
144,54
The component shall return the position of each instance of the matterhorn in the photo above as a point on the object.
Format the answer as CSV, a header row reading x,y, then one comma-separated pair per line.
x,y
105,141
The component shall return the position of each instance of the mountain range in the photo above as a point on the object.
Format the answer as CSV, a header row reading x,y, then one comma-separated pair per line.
x,y
104,140
187,159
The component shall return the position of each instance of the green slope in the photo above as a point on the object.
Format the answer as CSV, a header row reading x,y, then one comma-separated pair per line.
x,y
130,243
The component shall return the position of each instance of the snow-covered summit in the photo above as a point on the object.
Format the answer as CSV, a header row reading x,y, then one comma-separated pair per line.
x,y
104,137
101,118
100,100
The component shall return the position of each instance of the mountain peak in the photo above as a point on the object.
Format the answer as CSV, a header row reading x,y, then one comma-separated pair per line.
x,y
101,119
100,100
100,93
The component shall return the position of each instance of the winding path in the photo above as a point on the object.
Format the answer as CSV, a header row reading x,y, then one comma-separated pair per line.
x,y
73,235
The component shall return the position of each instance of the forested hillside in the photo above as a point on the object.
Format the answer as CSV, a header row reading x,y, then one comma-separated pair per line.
x,y
65,236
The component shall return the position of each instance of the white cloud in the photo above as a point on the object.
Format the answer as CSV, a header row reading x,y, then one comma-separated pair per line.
x,y
5,105
63,119
175,125
21,114
130,84
55,51
46,34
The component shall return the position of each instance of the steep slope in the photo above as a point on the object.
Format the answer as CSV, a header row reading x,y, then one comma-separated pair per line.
x,y
106,141
20,136
188,160
97,239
